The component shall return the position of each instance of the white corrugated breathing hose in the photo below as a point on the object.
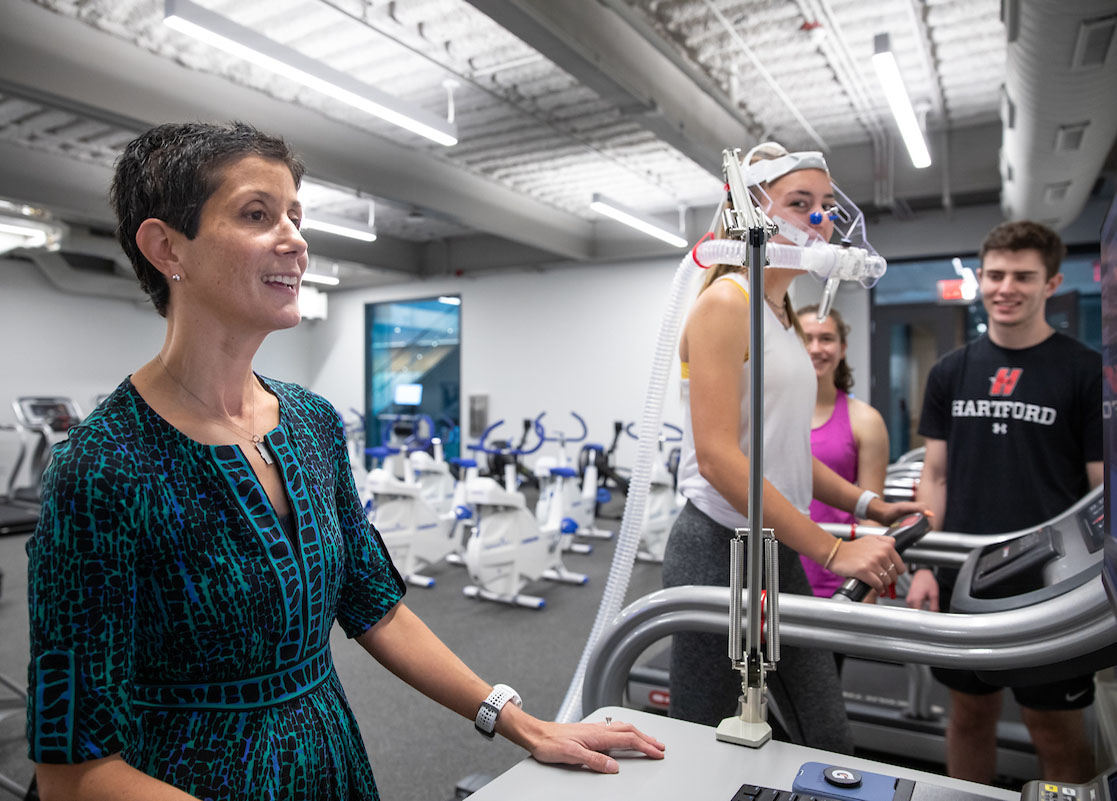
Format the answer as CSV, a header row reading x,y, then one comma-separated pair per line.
x,y
825,262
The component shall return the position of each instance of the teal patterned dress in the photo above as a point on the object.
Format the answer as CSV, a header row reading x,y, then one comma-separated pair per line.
x,y
173,619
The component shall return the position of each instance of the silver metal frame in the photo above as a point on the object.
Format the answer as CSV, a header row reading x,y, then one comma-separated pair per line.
x,y
1074,624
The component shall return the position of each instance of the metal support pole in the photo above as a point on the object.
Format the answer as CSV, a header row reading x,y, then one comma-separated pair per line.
x,y
757,238
751,727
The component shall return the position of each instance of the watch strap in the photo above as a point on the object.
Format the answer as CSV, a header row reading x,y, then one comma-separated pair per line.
x,y
491,706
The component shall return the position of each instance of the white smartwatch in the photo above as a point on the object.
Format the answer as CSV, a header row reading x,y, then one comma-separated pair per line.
x,y
491,706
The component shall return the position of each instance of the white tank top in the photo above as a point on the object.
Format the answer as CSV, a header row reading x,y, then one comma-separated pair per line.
x,y
789,398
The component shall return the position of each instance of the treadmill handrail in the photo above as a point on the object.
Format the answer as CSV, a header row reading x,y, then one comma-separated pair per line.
x,y
957,541
13,477
1073,624
932,540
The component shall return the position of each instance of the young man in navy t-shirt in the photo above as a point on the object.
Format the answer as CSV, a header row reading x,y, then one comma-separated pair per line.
x,y
1013,430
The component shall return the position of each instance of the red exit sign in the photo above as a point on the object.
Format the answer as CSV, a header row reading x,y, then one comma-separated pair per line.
x,y
950,289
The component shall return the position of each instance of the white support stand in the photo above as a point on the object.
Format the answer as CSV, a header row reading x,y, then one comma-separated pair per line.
x,y
594,533
565,576
750,727
530,601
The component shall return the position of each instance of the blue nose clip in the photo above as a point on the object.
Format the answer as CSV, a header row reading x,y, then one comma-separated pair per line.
x,y
816,217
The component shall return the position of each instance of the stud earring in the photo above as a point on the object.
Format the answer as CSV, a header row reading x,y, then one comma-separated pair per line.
x,y
176,277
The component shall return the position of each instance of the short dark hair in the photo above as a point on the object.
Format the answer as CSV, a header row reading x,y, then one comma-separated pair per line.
x,y
169,172
1027,235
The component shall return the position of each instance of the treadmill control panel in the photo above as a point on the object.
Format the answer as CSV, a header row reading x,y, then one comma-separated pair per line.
x,y
1015,566
57,414
1036,564
1092,520
1099,789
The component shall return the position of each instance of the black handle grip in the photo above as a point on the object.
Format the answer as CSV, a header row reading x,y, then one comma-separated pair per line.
x,y
907,531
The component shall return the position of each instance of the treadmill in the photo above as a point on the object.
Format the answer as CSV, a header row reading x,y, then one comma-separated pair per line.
x,y
41,423
46,421
16,516
890,696
999,573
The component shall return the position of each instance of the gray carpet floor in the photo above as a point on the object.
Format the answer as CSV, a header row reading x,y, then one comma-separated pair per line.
x,y
419,751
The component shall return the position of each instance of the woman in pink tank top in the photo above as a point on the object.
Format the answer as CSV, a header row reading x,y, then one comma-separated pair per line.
x,y
847,435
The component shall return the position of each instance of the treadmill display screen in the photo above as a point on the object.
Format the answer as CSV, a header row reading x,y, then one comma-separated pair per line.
x,y
1092,519
56,413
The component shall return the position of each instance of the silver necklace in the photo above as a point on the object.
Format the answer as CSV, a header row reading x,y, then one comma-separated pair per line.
x,y
256,439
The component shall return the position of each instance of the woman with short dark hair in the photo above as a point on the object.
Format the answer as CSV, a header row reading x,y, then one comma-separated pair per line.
x,y
201,531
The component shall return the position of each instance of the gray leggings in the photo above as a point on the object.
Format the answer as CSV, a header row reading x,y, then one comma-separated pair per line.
x,y
704,686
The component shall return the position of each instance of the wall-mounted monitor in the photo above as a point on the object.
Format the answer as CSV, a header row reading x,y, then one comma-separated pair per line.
x,y
408,394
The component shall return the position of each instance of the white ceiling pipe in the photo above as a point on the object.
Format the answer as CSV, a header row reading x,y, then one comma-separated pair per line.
x,y
1045,91
836,48
767,76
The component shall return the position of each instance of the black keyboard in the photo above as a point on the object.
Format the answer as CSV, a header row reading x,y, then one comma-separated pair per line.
x,y
751,792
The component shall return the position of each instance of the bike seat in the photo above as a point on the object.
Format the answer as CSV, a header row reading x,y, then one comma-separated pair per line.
x,y
487,492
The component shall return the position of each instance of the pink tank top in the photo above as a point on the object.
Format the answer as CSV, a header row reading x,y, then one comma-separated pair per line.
x,y
832,444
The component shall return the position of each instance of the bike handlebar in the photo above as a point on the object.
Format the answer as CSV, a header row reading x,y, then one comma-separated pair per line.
x,y
542,432
480,446
671,426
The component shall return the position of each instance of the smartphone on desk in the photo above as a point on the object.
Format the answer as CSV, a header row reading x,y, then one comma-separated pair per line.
x,y
847,784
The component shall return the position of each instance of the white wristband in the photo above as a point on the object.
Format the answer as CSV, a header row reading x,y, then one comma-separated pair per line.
x,y
491,706
861,510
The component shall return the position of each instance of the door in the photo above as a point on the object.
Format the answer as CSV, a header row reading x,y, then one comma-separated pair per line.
x,y
907,340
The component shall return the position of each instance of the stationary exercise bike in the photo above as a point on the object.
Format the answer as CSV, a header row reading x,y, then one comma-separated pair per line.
x,y
418,516
502,452
664,501
355,446
507,547
428,464
563,501
609,478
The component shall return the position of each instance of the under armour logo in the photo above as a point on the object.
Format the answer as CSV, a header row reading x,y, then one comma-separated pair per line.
x,y
1000,428
1004,382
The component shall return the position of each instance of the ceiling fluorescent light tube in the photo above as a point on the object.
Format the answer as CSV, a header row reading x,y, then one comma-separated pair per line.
x,y
18,230
31,237
889,73
610,208
204,25
338,227
318,278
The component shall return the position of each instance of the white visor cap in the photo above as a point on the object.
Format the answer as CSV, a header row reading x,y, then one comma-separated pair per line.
x,y
767,170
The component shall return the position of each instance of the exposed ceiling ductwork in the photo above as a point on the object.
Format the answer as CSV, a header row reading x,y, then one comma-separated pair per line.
x,y
554,102
1059,108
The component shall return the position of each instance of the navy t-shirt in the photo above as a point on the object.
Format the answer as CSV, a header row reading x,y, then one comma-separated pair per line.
x,y
1019,425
